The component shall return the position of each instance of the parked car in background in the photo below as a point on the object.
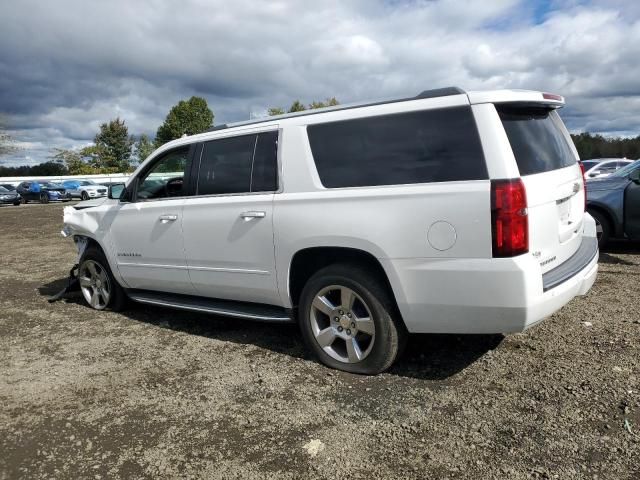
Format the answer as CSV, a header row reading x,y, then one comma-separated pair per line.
x,y
41,191
9,197
614,203
447,212
84,189
603,167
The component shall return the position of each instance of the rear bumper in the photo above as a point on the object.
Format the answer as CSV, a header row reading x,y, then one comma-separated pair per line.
x,y
500,295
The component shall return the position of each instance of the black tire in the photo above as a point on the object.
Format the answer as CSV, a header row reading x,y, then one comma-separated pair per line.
x,y
390,333
24,200
118,298
84,196
16,203
44,198
602,222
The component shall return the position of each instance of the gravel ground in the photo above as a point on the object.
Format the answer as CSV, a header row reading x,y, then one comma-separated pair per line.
x,y
154,393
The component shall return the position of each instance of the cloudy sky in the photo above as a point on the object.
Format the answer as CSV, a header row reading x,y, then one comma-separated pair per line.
x,y
69,65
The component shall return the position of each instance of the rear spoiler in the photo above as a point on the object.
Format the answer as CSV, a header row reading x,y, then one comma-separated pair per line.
x,y
528,97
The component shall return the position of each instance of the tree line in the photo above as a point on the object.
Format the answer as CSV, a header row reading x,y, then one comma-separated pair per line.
x,y
115,151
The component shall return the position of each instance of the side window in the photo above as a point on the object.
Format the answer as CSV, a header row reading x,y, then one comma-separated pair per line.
x,y
264,177
416,147
225,165
165,179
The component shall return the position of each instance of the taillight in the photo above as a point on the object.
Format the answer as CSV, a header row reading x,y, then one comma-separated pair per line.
x,y
509,218
584,185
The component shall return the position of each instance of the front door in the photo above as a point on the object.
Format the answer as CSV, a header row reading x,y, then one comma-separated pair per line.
x,y
146,231
632,211
228,225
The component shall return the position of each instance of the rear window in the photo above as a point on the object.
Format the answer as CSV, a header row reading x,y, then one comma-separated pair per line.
x,y
416,147
537,141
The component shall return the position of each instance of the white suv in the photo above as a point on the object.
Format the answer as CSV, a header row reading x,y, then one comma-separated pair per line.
x,y
449,212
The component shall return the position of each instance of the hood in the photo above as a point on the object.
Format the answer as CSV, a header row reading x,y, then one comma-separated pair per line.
x,y
94,202
94,187
606,183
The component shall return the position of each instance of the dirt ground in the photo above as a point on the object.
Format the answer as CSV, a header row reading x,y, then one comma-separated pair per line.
x,y
154,393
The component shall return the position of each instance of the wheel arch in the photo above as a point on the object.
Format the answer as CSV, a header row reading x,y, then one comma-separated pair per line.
x,y
92,241
608,214
306,261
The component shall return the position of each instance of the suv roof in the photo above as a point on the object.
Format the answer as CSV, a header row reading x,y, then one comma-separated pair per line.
x,y
494,96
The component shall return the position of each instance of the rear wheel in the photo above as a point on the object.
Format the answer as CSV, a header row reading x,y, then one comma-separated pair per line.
x,y
603,228
346,315
44,198
98,287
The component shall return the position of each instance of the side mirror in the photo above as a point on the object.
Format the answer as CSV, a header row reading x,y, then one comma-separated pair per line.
x,y
635,176
115,191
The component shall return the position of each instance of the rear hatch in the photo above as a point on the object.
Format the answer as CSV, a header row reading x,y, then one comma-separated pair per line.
x,y
552,178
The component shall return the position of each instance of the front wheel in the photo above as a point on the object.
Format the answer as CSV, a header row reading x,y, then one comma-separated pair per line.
x,y
84,196
98,287
16,203
349,320
44,198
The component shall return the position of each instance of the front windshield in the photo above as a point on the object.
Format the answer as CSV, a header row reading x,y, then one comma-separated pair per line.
x,y
4,190
626,170
50,185
84,183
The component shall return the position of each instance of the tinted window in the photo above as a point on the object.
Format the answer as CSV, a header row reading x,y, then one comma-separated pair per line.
x,y
225,165
165,179
416,147
265,163
536,139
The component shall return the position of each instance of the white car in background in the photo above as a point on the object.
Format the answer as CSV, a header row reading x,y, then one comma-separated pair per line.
x,y
603,167
84,189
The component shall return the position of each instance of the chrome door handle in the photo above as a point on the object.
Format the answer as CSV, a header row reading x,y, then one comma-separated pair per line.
x,y
253,214
168,218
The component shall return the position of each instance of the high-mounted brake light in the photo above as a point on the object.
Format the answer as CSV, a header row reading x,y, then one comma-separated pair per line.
x,y
553,96
584,185
509,218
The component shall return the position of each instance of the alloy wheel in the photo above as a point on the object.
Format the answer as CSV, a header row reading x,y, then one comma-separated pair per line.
x,y
95,285
342,324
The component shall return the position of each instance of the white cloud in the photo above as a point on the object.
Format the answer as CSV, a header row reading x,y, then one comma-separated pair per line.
x,y
68,67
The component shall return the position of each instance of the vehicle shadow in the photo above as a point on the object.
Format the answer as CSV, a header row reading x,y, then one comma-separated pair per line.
x,y
427,356
609,254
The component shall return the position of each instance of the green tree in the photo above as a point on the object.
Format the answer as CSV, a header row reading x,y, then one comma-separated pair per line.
x,y
86,161
186,118
143,148
329,102
112,146
298,106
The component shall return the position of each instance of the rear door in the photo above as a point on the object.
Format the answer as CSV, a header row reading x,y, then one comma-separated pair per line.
x,y
553,180
228,224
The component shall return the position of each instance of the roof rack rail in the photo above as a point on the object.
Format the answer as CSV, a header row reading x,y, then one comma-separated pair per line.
x,y
436,92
